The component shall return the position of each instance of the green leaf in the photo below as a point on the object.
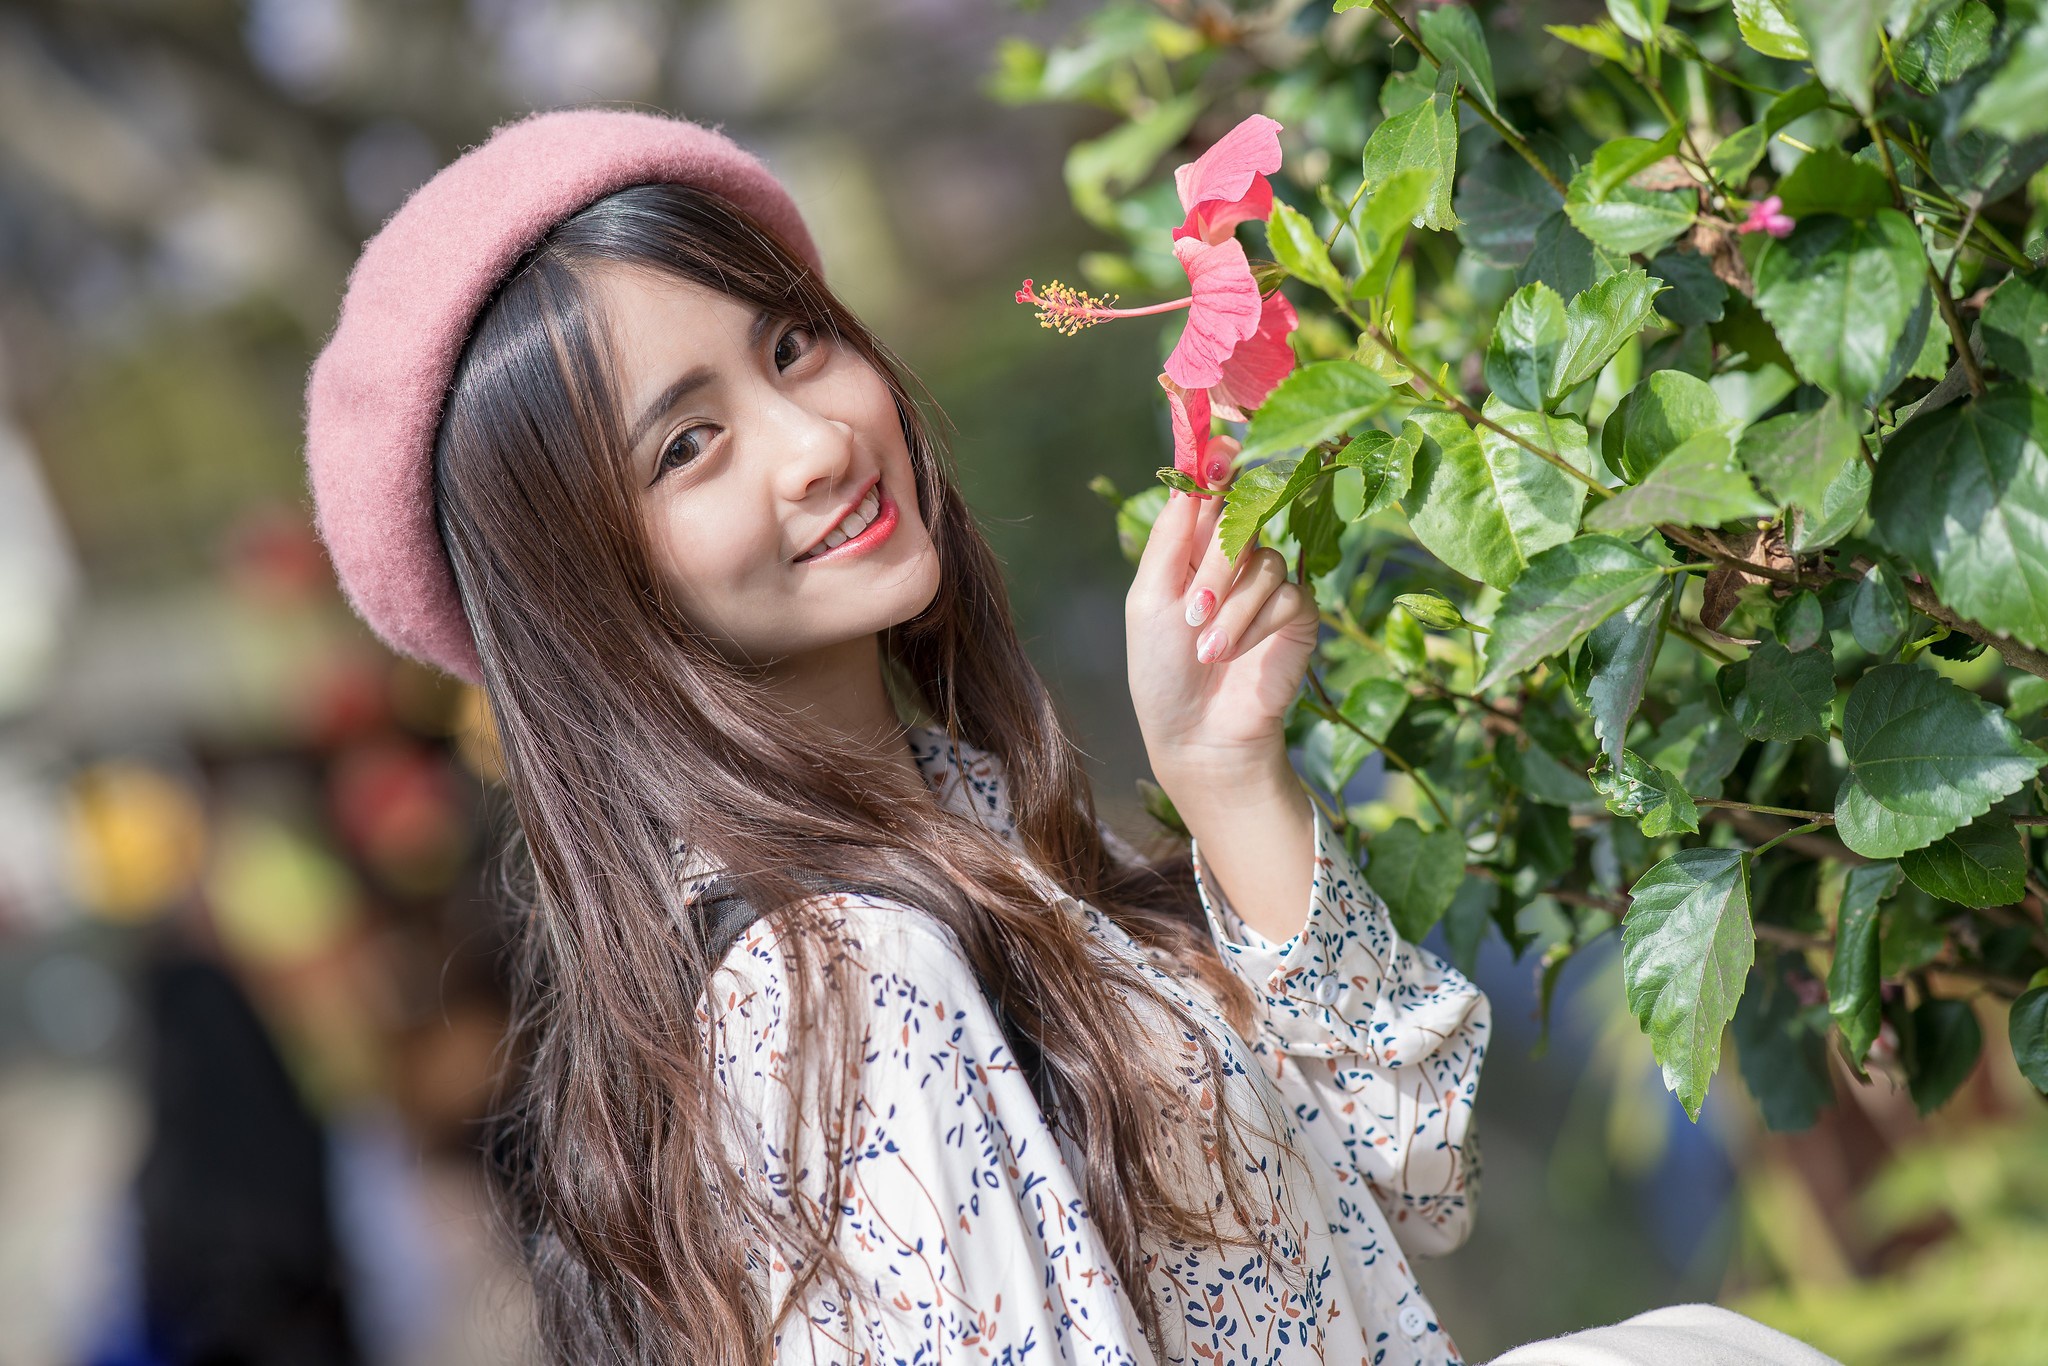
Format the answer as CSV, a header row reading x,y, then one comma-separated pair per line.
x,y
2027,1025
1316,402
1853,979
1298,247
1562,258
1695,295
1134,521
1452,32
1925,757
1841,37
1839,293
1779,694
1978,167
1527,337
1666,410
1101,169
1416,873
1639,19
1313,523
1174,479
1634,786
1386,464
1767,26
2025,696
1699,484
1946,1043
1798,456
2015,327
1878,612
1598,322
1623,217
1257,495
1619,653
1962,493
1423,139
1436,611
1160,807
1373,705
1799,622
1383,227
1957,42
1465,921
1782,1054
1686,950
1565,592
1981,864
1482,504
1829,180
1500,200
1536,771
1700,744
1841,508
1603,40
2014,103
1913,933
1736,156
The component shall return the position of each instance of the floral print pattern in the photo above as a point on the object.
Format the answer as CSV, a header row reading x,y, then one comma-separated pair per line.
x,y
962,1207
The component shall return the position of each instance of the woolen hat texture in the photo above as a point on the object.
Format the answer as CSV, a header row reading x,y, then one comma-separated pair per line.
x,y
376,392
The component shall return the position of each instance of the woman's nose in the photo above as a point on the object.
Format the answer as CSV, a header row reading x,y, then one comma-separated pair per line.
x,y
814,452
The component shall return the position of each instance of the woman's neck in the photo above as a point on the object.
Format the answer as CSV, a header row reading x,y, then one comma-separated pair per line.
x,y
840,691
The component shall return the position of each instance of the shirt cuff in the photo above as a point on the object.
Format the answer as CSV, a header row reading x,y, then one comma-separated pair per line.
x,y
1319,991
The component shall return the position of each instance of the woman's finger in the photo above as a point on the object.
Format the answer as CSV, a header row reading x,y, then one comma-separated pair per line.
x,y
1290,604
1163,564
1211,510
1211,582
1261,571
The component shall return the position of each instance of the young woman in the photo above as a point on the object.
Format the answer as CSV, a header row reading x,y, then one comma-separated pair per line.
x,y
847,1033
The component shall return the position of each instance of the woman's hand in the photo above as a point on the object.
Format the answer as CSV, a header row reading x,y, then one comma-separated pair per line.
x,y
1217,652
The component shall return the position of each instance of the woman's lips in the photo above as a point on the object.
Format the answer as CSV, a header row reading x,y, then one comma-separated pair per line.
x,y
877,532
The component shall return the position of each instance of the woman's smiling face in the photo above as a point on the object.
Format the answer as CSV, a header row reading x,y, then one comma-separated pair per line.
x,y
774,481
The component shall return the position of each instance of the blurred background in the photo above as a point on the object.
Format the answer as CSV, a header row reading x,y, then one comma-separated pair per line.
x,y
249,990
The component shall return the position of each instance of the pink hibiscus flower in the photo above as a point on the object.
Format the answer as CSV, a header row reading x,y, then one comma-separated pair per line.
x,y
1235,341
1768,215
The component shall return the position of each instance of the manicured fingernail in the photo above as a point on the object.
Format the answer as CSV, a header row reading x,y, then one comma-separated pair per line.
x,y
1209,648
1199,609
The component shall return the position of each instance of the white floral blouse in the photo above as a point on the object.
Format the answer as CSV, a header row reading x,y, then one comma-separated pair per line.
x,y
965,1209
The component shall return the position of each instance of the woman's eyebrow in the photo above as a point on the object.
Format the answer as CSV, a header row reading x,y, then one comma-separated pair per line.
x,y
687,383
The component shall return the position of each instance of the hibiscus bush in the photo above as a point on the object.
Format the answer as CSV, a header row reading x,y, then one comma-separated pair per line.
x,y
1652,395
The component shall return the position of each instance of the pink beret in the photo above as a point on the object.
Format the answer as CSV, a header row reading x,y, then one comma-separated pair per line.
x,y
376,392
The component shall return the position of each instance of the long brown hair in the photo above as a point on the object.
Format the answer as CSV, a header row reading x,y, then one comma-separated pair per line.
x,y
624,732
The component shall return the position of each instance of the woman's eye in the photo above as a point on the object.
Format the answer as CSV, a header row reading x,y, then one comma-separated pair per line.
x,y
681,449
801,351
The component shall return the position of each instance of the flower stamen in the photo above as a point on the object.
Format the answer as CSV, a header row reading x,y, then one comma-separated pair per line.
x,y
1068,310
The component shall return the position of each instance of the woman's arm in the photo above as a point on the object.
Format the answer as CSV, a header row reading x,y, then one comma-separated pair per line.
x,y
1375,1042
1217,652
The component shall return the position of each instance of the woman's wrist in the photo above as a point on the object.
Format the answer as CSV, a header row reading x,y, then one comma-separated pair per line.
x,y
1199,785
1256,829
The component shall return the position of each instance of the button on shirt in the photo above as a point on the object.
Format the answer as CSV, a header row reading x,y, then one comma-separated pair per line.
x,y
964,1211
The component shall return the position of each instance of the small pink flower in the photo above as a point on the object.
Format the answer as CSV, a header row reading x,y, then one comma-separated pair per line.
x,y
1767,215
